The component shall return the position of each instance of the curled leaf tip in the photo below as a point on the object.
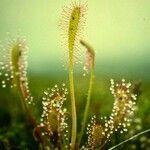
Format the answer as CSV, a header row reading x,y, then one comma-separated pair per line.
x,y
90,56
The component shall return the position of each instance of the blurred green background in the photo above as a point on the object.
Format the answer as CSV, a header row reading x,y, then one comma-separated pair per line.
x,y
119,31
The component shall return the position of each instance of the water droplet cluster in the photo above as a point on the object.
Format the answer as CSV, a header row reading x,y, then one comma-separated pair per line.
x,y
54,116
124,105
95,133
120,118
13,67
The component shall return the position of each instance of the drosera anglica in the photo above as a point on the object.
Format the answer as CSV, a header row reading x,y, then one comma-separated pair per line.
x,y
89,68
119,119
14,64
73,19
72,24
54,124
13,67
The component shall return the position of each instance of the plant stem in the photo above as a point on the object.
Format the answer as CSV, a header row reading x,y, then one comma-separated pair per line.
x,y
87,105
148,130
73,106
22,97
30,117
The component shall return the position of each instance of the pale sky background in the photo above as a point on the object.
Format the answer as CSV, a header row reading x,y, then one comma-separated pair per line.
x,y
119,30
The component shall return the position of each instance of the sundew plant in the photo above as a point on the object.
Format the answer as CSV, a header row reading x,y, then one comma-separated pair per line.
x,y
59,127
